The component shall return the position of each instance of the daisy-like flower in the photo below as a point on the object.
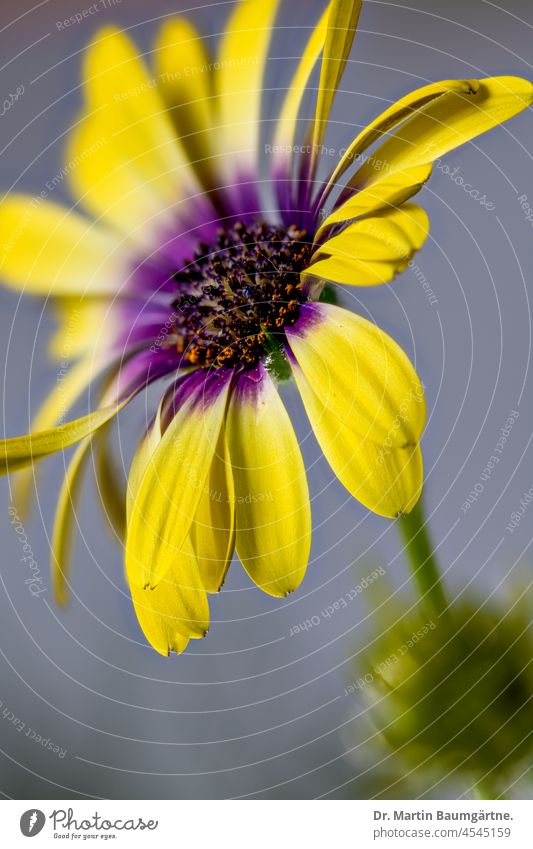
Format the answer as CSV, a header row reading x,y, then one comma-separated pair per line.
x,y
183,271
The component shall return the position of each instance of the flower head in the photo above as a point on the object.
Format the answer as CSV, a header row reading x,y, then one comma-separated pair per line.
x,y
454,693
183,272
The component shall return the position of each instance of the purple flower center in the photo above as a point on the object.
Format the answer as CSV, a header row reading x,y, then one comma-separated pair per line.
x,y
238,293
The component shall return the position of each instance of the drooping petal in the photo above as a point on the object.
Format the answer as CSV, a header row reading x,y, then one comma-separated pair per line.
x,y
64,522
359,374
384,477
20,451
389,192
164,495
157,608
398,112
139,464
129,165
112,497
185,79
447,121
272,510
128,375
61,398
111,484
162,611
239,79
372,250
213,529
47,249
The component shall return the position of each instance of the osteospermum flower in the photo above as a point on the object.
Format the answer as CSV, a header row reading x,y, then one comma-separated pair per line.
x,y
184,272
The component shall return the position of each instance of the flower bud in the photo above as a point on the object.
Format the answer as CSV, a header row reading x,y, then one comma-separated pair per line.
x,y
455,692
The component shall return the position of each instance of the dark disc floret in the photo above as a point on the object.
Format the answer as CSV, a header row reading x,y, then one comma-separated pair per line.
x,y
236,294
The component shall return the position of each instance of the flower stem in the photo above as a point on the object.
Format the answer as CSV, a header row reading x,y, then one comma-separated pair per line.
x,y
419,549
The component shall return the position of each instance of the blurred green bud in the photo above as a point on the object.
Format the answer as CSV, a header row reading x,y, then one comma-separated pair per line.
x,y
455,692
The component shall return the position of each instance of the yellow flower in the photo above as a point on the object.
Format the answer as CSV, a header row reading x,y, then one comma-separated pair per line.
x,y
183,271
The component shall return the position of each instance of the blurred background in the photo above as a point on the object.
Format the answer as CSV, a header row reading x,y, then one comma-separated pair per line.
x,y
262,708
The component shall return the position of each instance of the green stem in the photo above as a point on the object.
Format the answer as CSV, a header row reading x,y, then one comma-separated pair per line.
x,y
419,549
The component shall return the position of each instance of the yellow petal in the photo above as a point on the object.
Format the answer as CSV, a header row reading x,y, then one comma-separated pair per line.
x,y
110,184
80,328
272,510
64,523
117,83
403,109
129,165
111,484
162,611
177,603
47,249
447,122
213,529
286,126
20,451
352,272
375,248
239,79
183,68
185,80
359,374
167,484
139,464
155,610
61,398
390,191
386,479
342,22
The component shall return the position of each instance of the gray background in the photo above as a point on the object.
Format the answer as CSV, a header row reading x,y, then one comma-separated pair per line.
x,y
251,711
